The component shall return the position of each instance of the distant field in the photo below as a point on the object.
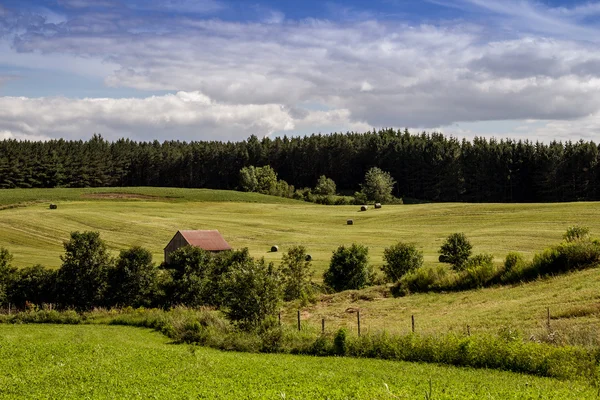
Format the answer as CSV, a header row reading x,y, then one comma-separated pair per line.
x,y
150,216
97,361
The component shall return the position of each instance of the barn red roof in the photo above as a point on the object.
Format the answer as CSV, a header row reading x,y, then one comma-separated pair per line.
x,y
207,240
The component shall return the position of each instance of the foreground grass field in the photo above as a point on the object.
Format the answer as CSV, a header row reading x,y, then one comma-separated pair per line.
x,y
150,216
97,361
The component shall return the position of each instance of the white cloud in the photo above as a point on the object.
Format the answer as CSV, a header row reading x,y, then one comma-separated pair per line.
x,y
184,116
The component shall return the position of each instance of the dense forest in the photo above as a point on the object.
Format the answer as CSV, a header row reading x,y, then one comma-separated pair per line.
x,y
429,167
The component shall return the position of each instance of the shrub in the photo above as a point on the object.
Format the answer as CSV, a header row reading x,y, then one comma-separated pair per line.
x,y
325,186
296,273
252,291
422,280
83,276
566,257
340,344
456,250
134,280
401,259
513,261
576,233
6,274
476,276
378,185
343,201
325,200
35,285
190,268
349,268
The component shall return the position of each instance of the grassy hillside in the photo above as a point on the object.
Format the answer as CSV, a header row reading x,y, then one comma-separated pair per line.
x,y
573,300
95,361
150,216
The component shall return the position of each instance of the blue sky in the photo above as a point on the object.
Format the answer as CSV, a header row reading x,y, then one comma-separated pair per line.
x,y
223,70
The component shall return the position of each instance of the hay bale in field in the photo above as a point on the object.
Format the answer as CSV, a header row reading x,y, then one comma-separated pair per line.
x,y
274,249
364,208
53,206
377,205
350,222
308,257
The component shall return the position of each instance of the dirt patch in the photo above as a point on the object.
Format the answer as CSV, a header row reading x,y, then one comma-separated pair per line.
x,y
119,196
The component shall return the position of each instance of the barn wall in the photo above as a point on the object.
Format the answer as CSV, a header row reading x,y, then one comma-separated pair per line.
x,y
175,243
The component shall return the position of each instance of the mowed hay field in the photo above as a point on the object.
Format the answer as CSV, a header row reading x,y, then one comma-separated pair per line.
x,y
99,361
149,217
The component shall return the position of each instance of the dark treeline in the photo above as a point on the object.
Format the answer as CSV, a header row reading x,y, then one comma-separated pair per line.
x,y
430,167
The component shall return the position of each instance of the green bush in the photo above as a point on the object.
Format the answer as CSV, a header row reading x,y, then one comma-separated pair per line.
x,y
378,186
475,276
566,257
36,285
401,259
455,251
513,261
325,186
252,292
422,280
134,279
296,273
576,233
349,268
7,273
340,344
83,276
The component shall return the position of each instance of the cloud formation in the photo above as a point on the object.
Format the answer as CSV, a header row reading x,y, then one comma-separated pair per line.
x,y
258,77
180,116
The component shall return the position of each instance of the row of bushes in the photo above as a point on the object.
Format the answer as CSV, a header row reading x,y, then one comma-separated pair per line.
x,y
377,187
505,351
574,253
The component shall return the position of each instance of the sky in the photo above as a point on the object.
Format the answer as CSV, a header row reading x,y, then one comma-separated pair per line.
x,y
226,69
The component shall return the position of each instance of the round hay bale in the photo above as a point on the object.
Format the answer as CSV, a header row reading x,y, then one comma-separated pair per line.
x,y
364,208
350,222
377,205
274,249
308,257
53,206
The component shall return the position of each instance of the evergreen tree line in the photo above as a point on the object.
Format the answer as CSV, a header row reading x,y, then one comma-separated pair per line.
x,y
430,167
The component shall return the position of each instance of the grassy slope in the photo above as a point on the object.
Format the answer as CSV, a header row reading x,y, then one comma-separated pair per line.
x,y
50,361
35,234
522,307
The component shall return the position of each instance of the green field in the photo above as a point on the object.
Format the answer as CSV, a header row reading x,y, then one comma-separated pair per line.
x,y
150,216
98,361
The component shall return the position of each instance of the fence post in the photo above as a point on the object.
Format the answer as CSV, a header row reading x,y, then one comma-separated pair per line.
x,y
468,330
412,318
279,318
548,311
8,308
323,325
298,319
358,320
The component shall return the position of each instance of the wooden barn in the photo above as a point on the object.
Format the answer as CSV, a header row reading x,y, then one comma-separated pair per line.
x,y
207,240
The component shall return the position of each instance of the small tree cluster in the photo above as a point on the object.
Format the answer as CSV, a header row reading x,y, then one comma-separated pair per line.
x,y
349,268
264,180
325,186
296,273
401,259
455,251
378,186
